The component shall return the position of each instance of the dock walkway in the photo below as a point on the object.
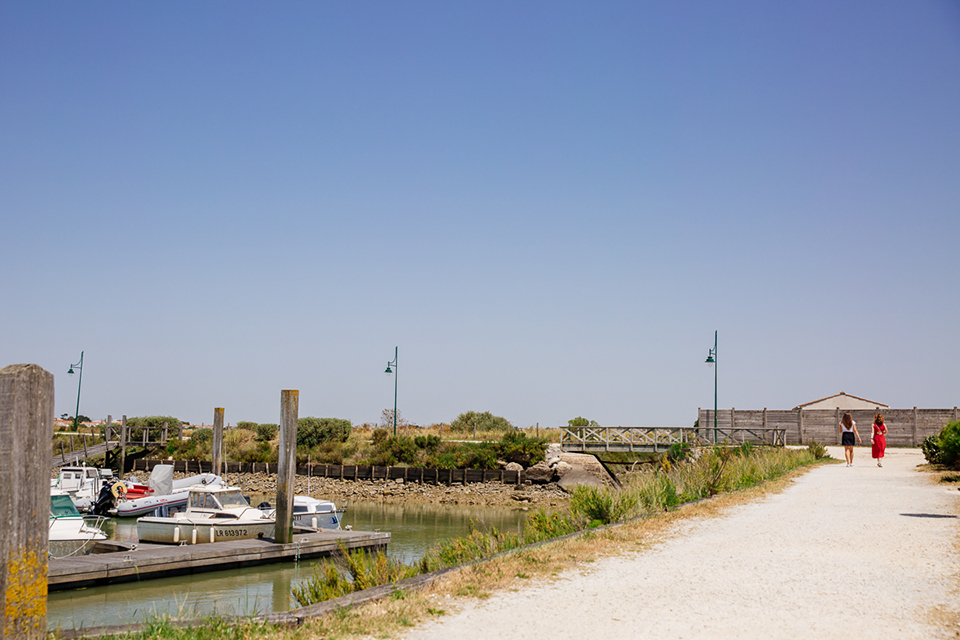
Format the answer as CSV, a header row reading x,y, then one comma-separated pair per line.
x,y
147,561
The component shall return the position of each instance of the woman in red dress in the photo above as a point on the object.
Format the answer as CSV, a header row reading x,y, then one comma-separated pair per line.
x,y
878,436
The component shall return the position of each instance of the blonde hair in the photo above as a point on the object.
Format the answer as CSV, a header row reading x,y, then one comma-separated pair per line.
x,y
878,419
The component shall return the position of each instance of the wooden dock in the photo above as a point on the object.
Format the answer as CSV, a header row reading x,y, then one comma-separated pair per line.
x,y
147,561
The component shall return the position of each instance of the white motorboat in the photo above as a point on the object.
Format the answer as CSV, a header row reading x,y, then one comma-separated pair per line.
x,y
169,495
82,483
311,512
70,533
214,513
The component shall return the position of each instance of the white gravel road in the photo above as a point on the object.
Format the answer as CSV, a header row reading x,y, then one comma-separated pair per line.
x,y
859,552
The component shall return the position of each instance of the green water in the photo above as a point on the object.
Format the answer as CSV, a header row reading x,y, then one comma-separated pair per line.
x,y
266,588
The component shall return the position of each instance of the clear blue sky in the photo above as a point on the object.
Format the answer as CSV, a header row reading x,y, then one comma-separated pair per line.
x,y
548,206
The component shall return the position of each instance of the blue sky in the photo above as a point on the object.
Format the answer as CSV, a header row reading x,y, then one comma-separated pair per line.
x,y
549,207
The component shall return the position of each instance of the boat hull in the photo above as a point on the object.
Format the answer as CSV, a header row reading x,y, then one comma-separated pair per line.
x,y
200,531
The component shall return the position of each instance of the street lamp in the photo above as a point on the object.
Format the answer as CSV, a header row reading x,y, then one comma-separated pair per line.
x,y
393,363
712,360
79,366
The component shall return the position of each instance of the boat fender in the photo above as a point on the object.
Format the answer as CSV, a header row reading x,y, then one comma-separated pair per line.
x,y
213,535
314,522
118,489
193,539
176,535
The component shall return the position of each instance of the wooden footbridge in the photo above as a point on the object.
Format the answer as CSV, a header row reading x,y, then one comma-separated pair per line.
x,y
74,448
657,439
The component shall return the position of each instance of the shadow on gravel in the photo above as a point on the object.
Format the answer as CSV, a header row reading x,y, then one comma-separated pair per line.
x,y
927,515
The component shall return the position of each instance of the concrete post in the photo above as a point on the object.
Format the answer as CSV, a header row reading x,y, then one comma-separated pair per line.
x,y
26,428
217,439
287,467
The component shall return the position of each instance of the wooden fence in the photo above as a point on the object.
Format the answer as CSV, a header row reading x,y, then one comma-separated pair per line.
x,y
349,472
905,427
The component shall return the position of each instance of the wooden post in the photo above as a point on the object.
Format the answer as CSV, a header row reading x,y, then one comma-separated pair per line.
x,y
217,440
839,428
63,454
916,421
163,437
800,426
180,432
124,434
84,436
26,428
289,412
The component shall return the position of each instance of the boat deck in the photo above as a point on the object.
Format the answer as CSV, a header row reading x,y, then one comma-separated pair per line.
x,y
147,561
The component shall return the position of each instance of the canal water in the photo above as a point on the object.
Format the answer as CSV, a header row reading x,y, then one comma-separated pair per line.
x,y
253,590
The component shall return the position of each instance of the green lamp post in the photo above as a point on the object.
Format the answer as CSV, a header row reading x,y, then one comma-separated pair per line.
x,y
79,366
393,363
712,360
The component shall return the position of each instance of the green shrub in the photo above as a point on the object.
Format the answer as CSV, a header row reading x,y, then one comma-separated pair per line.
x,y
201,435
602,504
582,422
948,442
379,435
817,450
429,443
313,431
247,426
485,421
678,452
136,424
323,453
516,446
931,448
266,431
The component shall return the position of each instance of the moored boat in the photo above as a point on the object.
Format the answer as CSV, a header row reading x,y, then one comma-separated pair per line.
x,y
70,533
168,495
312,512
214,513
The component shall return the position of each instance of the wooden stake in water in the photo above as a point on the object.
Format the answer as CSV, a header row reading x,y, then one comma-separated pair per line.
x,y
26,429
287,467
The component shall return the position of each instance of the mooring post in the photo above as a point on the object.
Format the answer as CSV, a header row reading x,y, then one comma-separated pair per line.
x,y
26,428
123,445
217,439
289,412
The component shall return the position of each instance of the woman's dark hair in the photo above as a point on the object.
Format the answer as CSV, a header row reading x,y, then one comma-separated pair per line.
x,y
847,420
878,419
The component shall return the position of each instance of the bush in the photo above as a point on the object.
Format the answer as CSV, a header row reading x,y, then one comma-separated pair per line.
x,y
582,422
931,448
247,426
429,443
484,422
602,504
201,435
135,425
379,435
515,446
266,431
948,441
313,431
817,450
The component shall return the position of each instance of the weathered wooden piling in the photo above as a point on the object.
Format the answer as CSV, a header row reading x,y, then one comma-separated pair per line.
x,y
287,467
217,440
26,428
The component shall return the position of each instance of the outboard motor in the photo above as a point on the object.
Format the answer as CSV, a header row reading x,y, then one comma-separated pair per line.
x,y
110,492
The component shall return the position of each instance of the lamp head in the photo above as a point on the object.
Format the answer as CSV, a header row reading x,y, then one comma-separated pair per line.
x,y
70,373
389,370
710,361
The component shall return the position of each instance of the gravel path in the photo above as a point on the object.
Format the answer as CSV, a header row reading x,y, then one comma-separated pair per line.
x,y
858,552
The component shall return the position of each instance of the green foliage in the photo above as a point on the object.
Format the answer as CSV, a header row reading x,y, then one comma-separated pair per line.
x,y
946,448
201,435
313,431
379,435
136,424
516,446
817,450
365,571
679,452
248,426
241,445
582,422
485,421
931,448
428,442
605,506
266,431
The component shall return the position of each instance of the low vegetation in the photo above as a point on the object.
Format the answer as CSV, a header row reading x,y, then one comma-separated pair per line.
x,y
943,448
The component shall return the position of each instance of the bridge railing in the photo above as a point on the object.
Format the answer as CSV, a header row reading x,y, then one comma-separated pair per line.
x,y
656,439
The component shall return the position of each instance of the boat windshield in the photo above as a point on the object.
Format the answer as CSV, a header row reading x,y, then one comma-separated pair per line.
x,y
232,499
62,506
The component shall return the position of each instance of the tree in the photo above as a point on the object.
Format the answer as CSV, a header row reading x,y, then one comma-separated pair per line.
x,y
386,419
485,421
582,422
313,431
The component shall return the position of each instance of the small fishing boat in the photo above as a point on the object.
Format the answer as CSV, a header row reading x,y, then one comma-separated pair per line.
x,y
168,495
83,484
311,512
70,533
213,513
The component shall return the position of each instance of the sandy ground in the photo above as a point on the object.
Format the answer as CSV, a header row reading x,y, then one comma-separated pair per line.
x,y
859,552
